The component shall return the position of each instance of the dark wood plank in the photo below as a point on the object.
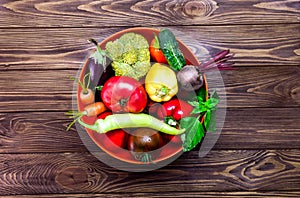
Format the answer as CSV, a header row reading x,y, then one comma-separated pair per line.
x,y
65,48
260,128
239,170
262,87
86,13
273,194
37,132
252,128
51,90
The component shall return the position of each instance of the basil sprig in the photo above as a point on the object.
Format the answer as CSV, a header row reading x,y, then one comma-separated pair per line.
x,y
194,129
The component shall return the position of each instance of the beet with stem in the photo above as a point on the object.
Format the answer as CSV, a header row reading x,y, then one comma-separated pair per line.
x,y
190,77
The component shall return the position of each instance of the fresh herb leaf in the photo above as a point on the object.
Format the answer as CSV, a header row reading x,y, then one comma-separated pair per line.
x,y
194,132
208,108
211,103
212,125
207,119
201,94
200,108
210,120
194,103
215,95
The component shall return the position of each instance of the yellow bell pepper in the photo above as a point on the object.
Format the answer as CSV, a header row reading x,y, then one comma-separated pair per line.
x,y
161,83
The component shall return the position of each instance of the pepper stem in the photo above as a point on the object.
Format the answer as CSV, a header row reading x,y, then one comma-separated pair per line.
x,y
93,127
163,91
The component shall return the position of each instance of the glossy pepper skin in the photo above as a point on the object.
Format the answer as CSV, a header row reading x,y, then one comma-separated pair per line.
x,y
124,94
174,108
172,112
161,83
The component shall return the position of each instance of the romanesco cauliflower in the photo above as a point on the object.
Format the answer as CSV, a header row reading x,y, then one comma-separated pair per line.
x,y
130,55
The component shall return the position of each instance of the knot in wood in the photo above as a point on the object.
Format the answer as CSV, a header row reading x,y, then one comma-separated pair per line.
x,y
18,126
72,178
199,8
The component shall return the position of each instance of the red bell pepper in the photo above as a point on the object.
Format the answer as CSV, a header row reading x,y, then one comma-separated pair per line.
x,y
175,109
172,112
117,136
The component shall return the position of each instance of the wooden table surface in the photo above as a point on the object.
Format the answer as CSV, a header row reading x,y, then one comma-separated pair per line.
x,y
42,42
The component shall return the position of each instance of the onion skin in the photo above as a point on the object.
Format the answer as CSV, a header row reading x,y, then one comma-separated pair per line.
x,y
190,78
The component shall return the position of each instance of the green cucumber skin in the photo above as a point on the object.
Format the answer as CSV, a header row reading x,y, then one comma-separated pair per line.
x,y
174,59
170,49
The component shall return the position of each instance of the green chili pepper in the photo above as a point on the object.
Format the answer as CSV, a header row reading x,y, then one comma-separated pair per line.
x,y
131,120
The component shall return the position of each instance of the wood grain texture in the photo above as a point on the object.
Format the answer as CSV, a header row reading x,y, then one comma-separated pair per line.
x,y
87,13
228,170
42,42
252,194
51,90
38,132
255,45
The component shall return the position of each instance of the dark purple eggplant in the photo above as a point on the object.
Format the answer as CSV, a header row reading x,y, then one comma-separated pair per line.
x,y
97,65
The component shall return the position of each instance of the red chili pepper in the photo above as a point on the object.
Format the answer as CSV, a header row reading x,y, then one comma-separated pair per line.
x,y
117,136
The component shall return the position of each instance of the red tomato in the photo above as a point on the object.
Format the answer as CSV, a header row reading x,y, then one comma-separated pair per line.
x,y
124,94
156,53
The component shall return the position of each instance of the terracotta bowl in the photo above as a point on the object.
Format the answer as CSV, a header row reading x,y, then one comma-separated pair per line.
x,y
101,140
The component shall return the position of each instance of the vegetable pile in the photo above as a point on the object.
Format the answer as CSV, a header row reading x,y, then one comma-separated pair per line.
x,y
136,84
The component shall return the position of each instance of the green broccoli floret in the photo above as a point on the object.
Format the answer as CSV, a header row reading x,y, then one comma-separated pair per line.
x,y
130,55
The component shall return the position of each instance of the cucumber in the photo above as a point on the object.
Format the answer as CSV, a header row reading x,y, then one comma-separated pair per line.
x,y
169,46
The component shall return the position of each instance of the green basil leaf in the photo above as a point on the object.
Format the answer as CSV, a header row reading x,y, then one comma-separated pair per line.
x,y
194,132
214,94
213,120
196,110
212,103
207,119
201,93
194,103
199,107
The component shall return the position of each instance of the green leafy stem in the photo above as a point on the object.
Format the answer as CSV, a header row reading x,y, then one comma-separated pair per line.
x,y
195,130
